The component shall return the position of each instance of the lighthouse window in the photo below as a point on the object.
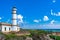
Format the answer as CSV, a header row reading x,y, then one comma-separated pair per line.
x,y
5,28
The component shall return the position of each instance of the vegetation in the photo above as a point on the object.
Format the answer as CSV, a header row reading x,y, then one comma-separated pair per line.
x,y
12,36
9,36
34,34
38,34
55,37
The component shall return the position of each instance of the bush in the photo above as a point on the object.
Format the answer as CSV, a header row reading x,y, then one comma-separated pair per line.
x,y
9,36
55,37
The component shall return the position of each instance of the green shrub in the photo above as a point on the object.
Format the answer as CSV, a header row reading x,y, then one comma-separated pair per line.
x,y
9,36
55,37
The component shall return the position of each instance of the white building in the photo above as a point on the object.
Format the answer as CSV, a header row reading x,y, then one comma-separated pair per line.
x,y
6,27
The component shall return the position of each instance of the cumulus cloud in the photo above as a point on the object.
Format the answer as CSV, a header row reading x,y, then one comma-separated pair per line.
x,y
20,19
45,18
37,21
55,14
19,16
58,14
52,22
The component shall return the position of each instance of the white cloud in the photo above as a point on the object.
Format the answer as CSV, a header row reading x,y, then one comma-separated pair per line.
x,y
37,21
54,1
45,18
51,12
55,14
52,22
0,17
20,19
19,16
58,14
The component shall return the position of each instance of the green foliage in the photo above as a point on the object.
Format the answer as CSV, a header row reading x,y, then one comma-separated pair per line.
x,y
1,33
55,37
52,36
9,36
37,34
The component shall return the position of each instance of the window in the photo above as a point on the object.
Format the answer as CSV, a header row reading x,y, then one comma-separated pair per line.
x,y
5,28
9,29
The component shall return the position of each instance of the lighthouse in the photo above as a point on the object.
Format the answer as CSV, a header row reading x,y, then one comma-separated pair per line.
x,y
14,19
7,27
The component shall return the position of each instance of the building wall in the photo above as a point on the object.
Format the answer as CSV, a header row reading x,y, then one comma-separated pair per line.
x,y
0,28
15,28
7,28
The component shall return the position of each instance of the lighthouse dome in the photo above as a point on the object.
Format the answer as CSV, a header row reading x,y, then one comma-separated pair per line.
x,y
14,8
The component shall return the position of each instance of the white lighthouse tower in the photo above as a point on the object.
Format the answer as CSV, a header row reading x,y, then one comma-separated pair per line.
x,y
14,19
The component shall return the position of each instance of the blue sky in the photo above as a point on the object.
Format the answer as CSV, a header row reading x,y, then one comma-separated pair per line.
x,y
34,13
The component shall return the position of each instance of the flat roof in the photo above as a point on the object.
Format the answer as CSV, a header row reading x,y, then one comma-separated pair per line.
x,y
6,24
3,23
